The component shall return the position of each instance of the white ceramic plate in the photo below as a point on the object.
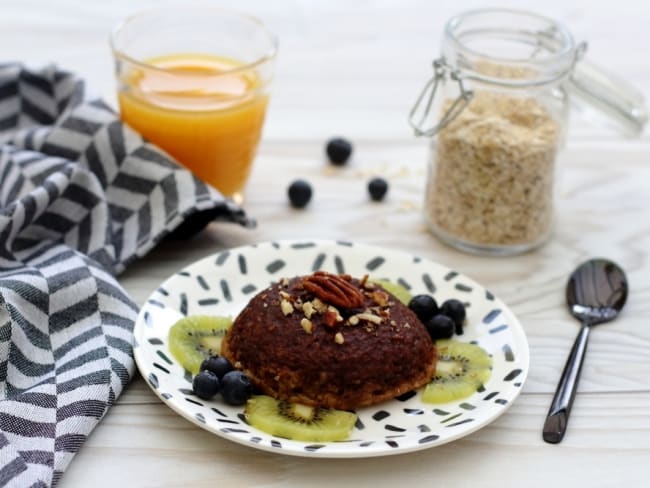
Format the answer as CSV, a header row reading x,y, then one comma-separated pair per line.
x,y
223,283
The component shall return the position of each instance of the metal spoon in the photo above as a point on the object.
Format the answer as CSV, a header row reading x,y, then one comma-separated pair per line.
x,y
595,294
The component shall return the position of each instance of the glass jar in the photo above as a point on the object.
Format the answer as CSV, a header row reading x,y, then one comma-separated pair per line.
x,y
496,110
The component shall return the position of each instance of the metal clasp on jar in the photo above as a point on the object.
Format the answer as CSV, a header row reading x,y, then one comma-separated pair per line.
x,y
440,72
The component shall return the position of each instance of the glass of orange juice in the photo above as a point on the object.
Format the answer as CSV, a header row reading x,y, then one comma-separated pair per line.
x,y
194,80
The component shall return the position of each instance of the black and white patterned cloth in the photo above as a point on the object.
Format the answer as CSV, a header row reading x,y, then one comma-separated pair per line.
x,y
81,196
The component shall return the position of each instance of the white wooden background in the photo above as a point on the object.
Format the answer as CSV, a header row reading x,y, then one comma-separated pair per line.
x,y
353,68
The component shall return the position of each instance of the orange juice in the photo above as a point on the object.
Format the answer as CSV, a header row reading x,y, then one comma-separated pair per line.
x,y
206,111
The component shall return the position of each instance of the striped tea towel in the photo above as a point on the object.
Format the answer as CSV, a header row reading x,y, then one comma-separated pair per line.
x,y
81,196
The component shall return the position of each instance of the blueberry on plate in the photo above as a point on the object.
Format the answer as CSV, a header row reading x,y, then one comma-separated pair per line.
x,y
455,310
218,365
440,327
424,306
338,150
205,385
236,388
377,187
299,193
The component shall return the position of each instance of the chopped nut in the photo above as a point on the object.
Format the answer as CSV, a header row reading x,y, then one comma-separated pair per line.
x,y
284,282
318,305
336,313
307,325
363,280
286,307
308,309
369,285
380,297
375,319
353,320
238,365
338,338
284,294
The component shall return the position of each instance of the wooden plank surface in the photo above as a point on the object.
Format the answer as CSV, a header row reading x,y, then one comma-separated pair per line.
x,y
353,68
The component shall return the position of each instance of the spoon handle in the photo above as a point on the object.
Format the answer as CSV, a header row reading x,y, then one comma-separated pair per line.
x,y
558,415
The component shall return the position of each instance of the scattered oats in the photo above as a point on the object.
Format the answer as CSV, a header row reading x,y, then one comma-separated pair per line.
x,y
307,325
338,338
286,307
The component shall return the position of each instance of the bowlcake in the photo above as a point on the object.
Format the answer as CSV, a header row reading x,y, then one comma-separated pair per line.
x,y
330,341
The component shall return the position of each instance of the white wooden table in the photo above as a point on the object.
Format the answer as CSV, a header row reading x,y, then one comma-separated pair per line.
x,y
353,68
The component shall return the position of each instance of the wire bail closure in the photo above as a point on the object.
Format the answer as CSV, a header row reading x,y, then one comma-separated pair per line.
x,y
440,72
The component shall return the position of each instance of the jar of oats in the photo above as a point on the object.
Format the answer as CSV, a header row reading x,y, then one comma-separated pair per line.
x,y
496,110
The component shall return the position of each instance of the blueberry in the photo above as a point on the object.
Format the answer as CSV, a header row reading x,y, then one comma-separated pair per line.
x,y
338,151
440,327
455,310
236,388
377,187
424,306
299,193
218,365
205,385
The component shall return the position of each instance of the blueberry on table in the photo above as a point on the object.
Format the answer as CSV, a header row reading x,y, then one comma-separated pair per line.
x,y
338,151
299,193
236,388
424,306
377,187
455,310
440,327
218,365
205,384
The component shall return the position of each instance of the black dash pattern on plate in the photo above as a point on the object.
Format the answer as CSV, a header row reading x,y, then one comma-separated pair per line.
x,y
248,289
200,418
498,329
154,341
512,375
380,415
428,283
413,411
183,304
462,287
275,443
208,302
243,268
202,282
359,425
424,428
507,353
275,266
314,447
451,275
221,258
303,245
318,262
161,368
394,428
492,314
490,395
338,263
375,263
225,289
153,380
429,438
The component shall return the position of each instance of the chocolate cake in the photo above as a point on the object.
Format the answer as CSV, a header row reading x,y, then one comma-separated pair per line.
x,y
330,341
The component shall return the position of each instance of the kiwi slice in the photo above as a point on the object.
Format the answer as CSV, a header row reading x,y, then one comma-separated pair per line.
x,y
195,338
298,422
461,369
400,292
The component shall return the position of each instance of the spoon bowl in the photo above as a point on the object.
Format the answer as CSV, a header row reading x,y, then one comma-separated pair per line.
x,y
595,293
